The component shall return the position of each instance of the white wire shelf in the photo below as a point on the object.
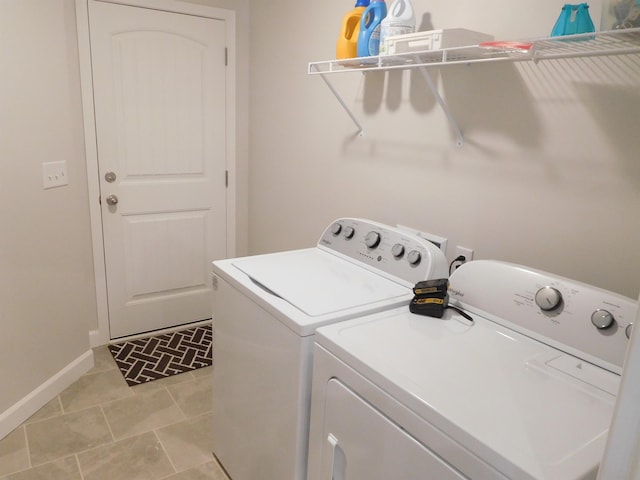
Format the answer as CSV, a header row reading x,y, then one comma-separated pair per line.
x,y
614,42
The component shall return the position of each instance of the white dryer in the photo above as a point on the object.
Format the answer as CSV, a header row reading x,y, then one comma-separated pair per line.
x,y
525,391
266,310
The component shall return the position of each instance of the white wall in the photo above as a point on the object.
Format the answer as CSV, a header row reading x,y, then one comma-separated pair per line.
x,y
548,176
47,293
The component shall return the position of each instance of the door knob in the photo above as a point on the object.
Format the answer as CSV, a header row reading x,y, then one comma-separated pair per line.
x,y
112,200
110,177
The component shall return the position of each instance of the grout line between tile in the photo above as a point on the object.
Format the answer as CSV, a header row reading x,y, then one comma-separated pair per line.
x,y
75,455
26,443
177,404
62,412
168,424
106,420
175,470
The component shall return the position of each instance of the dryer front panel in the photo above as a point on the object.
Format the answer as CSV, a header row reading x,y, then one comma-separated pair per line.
x,y
363,444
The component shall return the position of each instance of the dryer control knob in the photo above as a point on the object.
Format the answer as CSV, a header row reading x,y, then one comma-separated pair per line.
x,y
336,228
414,257
372,240
398,250
548,298
628,330
349,232
602,319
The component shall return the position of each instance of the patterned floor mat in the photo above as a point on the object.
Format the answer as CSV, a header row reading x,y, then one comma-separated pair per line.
x,y
151,358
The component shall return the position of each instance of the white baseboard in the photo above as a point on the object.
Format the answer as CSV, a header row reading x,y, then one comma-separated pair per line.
x,y
15,415
97,338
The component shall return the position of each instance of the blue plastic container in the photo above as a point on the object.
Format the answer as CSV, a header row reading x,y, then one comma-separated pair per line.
x,y
573,19
369,37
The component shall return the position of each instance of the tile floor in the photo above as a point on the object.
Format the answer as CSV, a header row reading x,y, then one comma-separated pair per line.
x,y
101,429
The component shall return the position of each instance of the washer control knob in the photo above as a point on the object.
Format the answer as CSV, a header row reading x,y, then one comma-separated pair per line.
x,y
398,250
548,298
602,319
627,331
349,232
336,228
414,257
372,240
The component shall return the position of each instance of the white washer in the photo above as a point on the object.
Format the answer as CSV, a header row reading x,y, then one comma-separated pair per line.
x,y
266,310
522,392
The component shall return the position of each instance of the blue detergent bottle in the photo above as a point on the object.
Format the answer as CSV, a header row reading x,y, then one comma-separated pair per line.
x,y
369,37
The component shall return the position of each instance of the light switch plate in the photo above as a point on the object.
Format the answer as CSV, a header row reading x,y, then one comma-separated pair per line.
x,y
54,174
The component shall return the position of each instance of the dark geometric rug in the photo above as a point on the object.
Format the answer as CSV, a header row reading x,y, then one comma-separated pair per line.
x,y
151,358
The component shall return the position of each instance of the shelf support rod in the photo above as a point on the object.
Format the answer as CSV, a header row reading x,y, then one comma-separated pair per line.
x,y
443,106
344,105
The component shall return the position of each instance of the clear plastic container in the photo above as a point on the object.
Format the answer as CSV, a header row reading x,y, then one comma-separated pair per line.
x,y
618,14
400,20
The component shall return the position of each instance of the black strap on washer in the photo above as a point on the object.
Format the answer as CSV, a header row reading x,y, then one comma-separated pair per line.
x,y
464,314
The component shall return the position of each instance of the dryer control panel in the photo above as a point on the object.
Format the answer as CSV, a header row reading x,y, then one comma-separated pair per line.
x,y
580,319
389,251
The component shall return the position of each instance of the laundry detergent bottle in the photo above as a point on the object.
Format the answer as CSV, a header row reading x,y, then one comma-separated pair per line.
x,y
347,45
400,20
369,37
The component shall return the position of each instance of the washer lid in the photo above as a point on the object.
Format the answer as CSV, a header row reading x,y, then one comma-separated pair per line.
x,y
319,283
496,392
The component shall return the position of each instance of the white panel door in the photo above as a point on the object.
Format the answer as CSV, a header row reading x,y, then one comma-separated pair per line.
x,y
159,93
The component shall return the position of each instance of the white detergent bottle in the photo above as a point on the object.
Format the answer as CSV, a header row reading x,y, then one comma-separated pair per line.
x,y
400,20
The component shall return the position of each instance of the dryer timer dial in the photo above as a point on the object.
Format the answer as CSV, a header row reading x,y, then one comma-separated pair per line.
x,y
602,319
548,298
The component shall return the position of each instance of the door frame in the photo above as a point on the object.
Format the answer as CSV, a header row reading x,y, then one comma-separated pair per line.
x,y
101,335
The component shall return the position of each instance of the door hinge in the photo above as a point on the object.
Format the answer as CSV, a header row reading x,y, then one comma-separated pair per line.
x,y
226,56
226,178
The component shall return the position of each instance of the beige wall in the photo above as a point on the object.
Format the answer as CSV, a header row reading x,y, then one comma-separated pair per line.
x,y
548,176
47,295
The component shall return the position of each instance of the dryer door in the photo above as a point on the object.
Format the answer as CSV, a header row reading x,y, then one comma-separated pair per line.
x,y
363,444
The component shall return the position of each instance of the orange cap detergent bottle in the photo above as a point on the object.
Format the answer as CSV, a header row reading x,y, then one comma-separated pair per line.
x,y
347,45
369,38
